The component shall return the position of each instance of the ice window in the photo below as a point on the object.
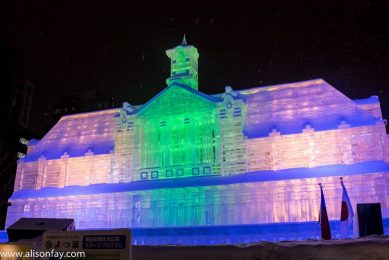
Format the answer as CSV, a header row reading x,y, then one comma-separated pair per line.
x,y
169,173
222,114
195,171
143,175
180,172
26,208
237,111
154,174
29,179
207,170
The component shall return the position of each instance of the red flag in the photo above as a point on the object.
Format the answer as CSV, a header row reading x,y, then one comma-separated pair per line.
x,y
346,214
323,218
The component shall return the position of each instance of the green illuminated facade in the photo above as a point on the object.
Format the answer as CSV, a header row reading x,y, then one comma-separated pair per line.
x,y
181,132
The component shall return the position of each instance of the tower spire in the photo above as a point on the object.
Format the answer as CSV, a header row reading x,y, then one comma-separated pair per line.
x,y
184,43
183,65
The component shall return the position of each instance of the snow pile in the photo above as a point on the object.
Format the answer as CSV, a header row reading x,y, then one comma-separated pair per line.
x,y
374,247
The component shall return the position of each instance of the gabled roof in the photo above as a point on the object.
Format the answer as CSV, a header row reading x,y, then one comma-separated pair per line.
x,y
289,108
75,135
173,87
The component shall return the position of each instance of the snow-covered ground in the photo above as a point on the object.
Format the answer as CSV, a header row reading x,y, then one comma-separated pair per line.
x,y
373,247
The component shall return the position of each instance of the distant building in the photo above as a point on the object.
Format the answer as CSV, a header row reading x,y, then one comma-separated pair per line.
x,y
186,158
21,103
83,101
15,109
7,61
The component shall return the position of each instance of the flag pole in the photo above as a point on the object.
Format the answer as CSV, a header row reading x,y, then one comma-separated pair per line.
x,y
323,217
346,213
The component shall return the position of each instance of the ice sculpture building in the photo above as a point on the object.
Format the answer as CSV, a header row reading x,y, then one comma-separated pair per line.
x,y
186,158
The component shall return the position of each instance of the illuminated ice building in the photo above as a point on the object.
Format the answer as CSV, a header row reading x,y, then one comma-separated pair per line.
x,y
240,159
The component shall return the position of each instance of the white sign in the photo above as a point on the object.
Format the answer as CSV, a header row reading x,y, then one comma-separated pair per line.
x,y
96,244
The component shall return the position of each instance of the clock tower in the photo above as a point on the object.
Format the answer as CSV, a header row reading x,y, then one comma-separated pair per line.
x,y
183,65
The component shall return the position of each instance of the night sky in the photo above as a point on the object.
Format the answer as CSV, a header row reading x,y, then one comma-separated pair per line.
x,y
118,47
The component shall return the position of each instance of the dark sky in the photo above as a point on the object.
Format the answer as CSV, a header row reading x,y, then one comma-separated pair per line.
x,y
119,47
